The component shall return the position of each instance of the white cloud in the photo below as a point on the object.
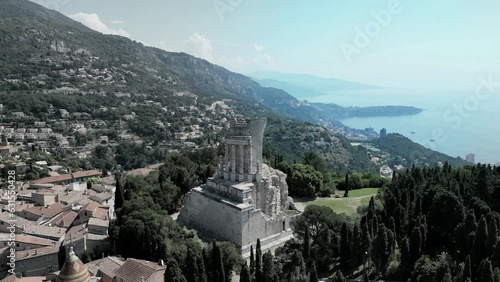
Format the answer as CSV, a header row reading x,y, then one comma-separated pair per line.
x,y
258,48
200,46
265,59
117,22
93,22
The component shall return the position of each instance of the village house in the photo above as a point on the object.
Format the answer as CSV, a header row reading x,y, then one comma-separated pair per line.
x,y
5,151
136,270
43,213
44,197
20,168
105,268
37,262
64,179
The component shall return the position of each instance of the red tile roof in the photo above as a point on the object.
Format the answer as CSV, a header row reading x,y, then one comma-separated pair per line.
x,y
48,212
66,177
133,270
65,219
27,239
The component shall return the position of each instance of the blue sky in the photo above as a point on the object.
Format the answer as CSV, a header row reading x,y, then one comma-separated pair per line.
x,y
411,44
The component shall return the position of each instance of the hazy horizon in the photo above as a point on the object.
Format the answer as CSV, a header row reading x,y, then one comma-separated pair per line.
x,y
397,44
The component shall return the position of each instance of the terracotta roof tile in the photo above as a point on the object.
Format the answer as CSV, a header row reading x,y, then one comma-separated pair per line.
x,y
133,270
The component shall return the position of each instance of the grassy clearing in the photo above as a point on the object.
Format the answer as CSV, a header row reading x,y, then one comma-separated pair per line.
x,y
346,205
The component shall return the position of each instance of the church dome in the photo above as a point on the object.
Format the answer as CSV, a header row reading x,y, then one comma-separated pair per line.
x,y
73,270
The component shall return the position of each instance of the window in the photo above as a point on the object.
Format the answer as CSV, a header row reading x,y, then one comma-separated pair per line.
x,y
22,264
50,267
284,225
85,213
49,258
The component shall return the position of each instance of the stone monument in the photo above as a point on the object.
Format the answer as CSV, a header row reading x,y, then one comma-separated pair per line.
x,y
245,200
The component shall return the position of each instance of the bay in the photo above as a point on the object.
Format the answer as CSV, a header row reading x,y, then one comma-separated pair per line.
x,y
458,122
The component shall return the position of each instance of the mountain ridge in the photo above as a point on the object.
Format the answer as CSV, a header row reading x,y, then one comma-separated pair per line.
x,y
64,58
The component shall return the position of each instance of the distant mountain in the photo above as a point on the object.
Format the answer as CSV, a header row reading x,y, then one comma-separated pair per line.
x,y
304,86
49,56
334,111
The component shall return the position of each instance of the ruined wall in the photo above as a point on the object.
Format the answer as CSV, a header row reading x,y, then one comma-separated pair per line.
x,y
256,225
211,217
257,127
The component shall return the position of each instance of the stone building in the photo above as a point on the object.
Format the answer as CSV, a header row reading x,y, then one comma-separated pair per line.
x,y
245,200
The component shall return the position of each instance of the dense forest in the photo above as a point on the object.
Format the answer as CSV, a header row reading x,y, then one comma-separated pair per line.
x,y
429,224
399,236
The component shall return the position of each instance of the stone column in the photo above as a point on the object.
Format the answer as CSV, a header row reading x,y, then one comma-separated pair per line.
x,y
226,156
240,159
233,158
250,159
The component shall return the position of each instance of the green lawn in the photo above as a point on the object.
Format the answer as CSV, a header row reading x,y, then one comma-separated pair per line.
x,y
346,205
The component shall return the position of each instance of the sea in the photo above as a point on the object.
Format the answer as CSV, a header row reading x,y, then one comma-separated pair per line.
x,y
453,122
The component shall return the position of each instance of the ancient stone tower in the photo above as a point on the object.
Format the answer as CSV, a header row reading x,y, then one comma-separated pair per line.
x,y
245,199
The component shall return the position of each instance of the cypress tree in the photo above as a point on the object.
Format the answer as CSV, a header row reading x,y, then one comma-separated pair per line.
x,y
202,271
252,260
415,245
61,256
119,194
496,274
258,262
268,269
405,256
365,238
479,251
346,193
173,272
217,265
298,265
307,244
467,269
495,258
485,271
492,236
245,275
313,275
338,277
345,248
191,267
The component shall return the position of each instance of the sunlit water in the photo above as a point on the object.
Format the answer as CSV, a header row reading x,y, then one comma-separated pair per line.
x,y
471,128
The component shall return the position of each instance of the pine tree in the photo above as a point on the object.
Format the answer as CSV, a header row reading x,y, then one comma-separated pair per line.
x,y
313,275
245,275
346,193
